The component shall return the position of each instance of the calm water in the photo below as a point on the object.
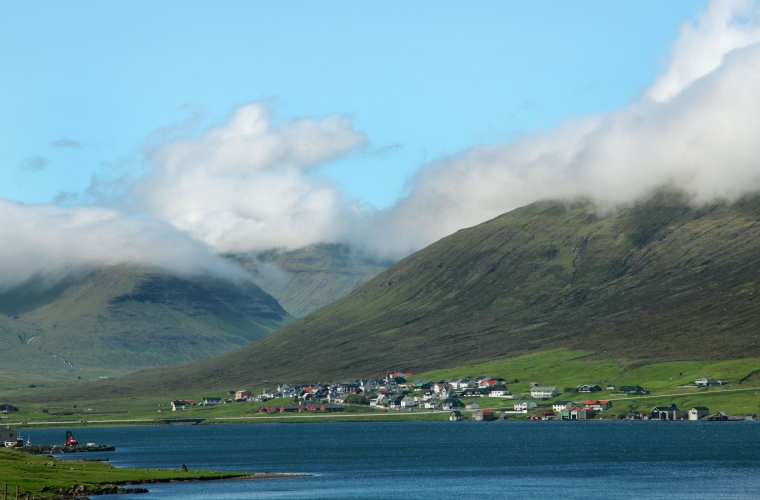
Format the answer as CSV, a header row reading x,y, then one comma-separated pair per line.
x,y
443,460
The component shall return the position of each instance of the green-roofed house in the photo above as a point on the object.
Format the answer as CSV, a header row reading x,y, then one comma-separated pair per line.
x,y
524,405
540,392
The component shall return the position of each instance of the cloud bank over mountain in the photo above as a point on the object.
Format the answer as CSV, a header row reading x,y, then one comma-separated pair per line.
x,y
49,242
254,184
697,128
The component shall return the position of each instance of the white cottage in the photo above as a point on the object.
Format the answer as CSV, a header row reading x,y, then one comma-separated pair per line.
x,y
540,392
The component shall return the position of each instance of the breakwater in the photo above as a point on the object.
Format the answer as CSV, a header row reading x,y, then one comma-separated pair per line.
x,y
47,449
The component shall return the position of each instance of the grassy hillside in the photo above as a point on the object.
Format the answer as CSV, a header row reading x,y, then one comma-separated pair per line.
x,y
307,279
118,320
657,282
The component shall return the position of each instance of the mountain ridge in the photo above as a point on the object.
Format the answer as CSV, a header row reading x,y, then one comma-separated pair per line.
x,y
659,281
111,321
309,278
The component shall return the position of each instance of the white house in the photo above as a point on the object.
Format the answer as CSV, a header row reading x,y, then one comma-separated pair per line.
x,y
381,400
540,392
180,405
698,412
704,381
465,383
431,404
289,393
500,392
408,402
454,382
524,405
559,406
439,388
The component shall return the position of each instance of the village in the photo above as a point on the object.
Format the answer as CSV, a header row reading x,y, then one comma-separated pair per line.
x,y
397,393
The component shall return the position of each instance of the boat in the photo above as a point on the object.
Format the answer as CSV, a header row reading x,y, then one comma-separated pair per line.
x,y
70,440
13,444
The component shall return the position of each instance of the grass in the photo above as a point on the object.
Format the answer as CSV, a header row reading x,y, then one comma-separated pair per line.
x,y
33,473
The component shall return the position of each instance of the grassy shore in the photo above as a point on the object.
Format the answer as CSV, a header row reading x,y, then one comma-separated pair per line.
x,y
33,473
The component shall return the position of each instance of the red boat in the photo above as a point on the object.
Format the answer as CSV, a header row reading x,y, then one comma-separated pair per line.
x,y
70,440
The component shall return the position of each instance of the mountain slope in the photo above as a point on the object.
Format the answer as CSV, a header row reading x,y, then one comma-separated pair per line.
x,y
307,279
122,319
656,282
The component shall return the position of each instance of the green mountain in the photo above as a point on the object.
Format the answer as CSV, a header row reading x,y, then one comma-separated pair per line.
x,y
308,279
121,319
656,282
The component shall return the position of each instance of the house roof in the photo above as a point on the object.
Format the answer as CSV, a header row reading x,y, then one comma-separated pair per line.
x,y
543,388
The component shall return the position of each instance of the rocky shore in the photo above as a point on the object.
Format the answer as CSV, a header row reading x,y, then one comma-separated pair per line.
x,y
47,449
83,492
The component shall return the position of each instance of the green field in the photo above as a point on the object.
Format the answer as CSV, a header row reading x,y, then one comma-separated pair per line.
x,y
33,473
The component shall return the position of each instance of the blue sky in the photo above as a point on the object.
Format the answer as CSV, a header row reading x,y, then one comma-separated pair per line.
x,y
423,81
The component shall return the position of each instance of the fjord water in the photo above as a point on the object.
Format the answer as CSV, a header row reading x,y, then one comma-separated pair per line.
x,y
379,460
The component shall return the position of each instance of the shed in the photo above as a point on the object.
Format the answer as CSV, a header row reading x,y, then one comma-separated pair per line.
x,y
484,415
698,412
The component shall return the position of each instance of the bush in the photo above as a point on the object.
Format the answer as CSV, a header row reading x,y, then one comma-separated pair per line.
x,y
354,399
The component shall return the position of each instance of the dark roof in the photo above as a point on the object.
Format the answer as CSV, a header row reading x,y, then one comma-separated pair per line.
x,y
669,407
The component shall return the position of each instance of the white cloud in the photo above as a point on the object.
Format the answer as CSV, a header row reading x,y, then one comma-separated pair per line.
x,y
702,44
50,241
250,184
697,128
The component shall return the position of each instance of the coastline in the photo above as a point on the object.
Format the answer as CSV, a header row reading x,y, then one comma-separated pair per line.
x,y
57,478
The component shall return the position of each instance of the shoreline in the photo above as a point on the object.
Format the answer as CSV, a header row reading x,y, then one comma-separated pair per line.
x,y
327,420
118,487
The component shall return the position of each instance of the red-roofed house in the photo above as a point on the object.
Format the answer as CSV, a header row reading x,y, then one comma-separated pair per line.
x,y
598,405
483,415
